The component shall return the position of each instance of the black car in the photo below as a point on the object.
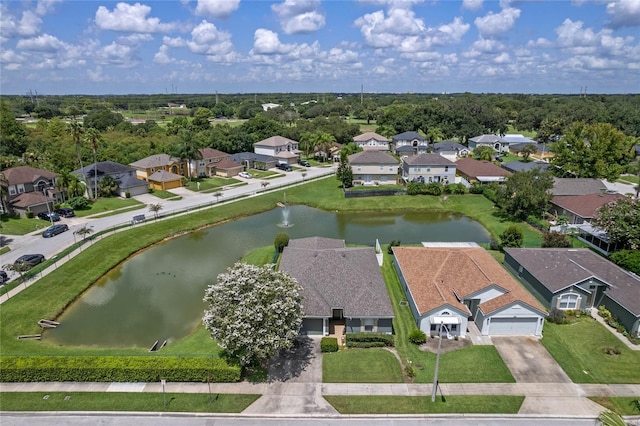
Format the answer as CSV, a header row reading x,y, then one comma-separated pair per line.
x,y
49,216
284,166
54,230
304,163
3,277
65,212
28,260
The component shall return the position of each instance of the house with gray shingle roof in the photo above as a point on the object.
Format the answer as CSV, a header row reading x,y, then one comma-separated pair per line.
x,y
458,286
577,186
372,167
342,287
126,177
578,279
450,150
428,168
522,166
409,143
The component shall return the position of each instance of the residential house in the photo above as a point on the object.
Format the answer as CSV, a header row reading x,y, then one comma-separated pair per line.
x,y
409,143
214,163
31,189
285,150
428,168
127,178
450,150
342,287
458,286
578,279
499,144
372,167
577,186
251,160
162,171
371,141
473,171
522,166
542,153
580,208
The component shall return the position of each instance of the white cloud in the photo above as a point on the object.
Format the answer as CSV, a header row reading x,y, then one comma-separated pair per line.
x,y
299,16
217,8
206,39
502,58
46,6
27,26
266,42
624,13
97,76
162,56
134,40
472,4
43,43
130,18
494,24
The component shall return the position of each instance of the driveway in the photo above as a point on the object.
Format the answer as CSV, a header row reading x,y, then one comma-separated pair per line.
x,y
528,360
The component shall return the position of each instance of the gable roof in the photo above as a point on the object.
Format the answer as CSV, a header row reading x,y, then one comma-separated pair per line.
x,y
521,166
408,136
164,176
241,157
332,276
224,164
156,160
486,139
438,276
368,136
212,153
585,206
428,160
104,168
474,168
558,268
26,174
517,139
274,141
448,146
372,157
577,186
29,199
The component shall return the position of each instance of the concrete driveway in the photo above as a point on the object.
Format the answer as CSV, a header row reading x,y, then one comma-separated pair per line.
x,y
528,360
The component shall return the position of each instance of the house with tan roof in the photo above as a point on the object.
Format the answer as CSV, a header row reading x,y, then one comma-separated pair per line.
x,y
284,149
343,290
473,171
372,141
213,162
372,167
459,286
580,208
162,171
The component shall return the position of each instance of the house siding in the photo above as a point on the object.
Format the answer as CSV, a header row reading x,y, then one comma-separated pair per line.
x,y
626,318
529,281
353,325
385,325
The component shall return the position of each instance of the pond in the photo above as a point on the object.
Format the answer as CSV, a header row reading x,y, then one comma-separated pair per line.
x,y
157,294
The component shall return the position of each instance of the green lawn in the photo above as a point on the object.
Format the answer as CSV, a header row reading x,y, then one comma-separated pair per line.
x,y
16,225
580,347
126,401
371,365
124,210
623,405
630,179
165,194
210,184
376,404
102,205
264,174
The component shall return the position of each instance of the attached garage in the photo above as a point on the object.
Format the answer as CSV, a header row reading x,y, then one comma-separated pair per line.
x,y
513,326
312,327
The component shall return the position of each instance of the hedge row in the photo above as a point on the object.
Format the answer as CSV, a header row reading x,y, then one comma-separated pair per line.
x,y
116,369
329,344
357,339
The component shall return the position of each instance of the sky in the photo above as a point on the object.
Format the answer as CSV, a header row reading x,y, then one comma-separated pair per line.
x,y
93,47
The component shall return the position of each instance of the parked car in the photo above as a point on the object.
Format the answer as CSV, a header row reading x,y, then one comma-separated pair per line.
x,y
65,212
304,163
54,230
245,175
53,216
29,260
3,277
284,166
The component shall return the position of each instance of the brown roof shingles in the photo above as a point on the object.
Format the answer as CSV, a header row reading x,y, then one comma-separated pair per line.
x,y
474,168
436,275
585,206
26,174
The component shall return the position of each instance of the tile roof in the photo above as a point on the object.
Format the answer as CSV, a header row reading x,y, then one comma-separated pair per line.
x,y
373,157
368,136
585,206
428,160
408,136
438,276
474,168
559,268
26,174
332,276
577,186
274,141
156,160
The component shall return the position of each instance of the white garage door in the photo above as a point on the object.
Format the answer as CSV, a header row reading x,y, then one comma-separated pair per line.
x,y
513,326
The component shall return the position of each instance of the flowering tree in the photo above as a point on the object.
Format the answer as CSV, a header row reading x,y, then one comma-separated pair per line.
x,y
620,219
253,311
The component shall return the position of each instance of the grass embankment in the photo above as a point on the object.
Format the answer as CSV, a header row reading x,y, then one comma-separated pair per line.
x,y
15,225
477,404
126,401
107,205
623,405
165,195
580,349
210,184
361,366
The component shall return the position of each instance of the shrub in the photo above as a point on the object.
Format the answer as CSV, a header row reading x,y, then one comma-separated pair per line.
x,y
392,244
78,203
512,237
368,340
627,259
455,188
556,316
417,337
329,344
127,194
434,188
150,190
604,312
409,371
476,188
555,239
281,241
56,206
29,214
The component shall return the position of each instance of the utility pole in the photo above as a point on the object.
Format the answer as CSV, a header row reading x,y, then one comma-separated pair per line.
x,y
435,373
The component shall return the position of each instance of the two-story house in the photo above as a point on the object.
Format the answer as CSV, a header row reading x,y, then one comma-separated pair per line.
x,y
162,171
372,141
213,162
31,189
428,168
450,150
284,149
373,168
409,143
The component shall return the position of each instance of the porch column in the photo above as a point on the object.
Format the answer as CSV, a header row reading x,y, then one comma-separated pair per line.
x,y
325,326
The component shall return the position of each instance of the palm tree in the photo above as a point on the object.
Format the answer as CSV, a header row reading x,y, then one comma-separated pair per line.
x,y
264,184
94,137
76,130
186,149
326,141
64,181
4,193
434,134
155,208
218,194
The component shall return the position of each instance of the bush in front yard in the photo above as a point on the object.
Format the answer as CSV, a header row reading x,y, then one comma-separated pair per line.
x,y
329,344
556,316
418,337
369,340
29,214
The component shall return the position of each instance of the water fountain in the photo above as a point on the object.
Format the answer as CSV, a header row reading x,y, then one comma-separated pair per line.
x,y
285,214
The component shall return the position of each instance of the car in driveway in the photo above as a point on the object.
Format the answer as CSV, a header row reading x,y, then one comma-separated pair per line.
x,y
53,216
3,277
54,230
28,260
245,175
284,166
65,212
304,163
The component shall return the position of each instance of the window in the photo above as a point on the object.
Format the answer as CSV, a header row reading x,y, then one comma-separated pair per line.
x,y
568,301
446,168
12,190
368,324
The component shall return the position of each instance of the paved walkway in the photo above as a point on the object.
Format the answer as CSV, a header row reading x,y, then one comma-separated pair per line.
x,y
623,339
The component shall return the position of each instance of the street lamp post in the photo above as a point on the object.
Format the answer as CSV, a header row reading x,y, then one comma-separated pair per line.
x,y
435,373
46,200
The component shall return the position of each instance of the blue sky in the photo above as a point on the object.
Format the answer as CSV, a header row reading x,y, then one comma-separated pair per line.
x,y
387,46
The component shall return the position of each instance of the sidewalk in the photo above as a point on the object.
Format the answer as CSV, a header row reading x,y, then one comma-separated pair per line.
x,y
623,339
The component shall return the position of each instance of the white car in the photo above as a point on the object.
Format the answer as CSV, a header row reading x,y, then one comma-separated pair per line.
x,y
245,175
